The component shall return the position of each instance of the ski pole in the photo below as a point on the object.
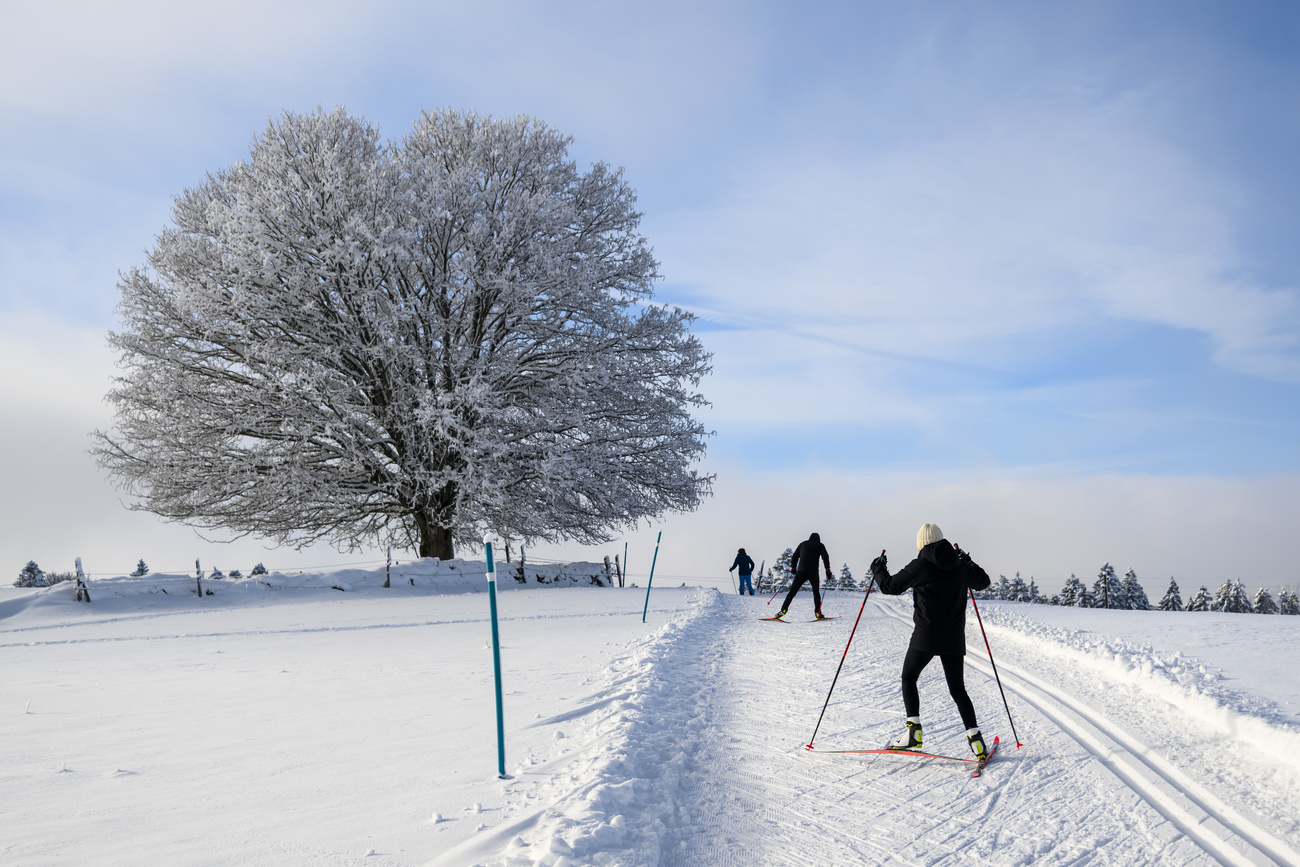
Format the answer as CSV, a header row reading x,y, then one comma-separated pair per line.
x,y
980,620
809,745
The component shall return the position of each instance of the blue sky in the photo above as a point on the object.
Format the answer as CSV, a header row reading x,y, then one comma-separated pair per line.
x,y
1029,269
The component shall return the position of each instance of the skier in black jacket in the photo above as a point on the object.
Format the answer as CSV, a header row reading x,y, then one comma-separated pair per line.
x,y
940,578
804,566
745,564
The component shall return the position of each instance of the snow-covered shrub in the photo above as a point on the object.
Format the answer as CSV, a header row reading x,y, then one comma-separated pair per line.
x,y
259,569
1264,603
217,575
1172,600
52,578
235,574
141,569
31,576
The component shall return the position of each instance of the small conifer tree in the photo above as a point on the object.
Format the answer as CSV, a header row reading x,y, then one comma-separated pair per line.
x,y
1069,596
1134,595
1202,601
1172,600
846,578
140,569
259,569
1288,602
31,576
1231,598
1264,603
1107,590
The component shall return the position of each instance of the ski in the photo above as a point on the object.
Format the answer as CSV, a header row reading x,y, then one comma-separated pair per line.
x,y
978,763
827,617
777,619
979,766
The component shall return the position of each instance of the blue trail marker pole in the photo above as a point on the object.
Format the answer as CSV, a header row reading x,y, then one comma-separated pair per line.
x,y
496,660
652,576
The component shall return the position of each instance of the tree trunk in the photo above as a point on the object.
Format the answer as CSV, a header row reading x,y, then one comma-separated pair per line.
x,y
435,541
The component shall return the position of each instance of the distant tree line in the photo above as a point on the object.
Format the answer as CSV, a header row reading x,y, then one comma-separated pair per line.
x,y
1111,591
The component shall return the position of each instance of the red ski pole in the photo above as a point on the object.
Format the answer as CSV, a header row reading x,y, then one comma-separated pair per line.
x,y
980,620
809,745
773,596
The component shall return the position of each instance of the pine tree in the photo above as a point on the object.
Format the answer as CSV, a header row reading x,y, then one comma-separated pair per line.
x,y
1069,596
1034,595
1173,600
1231,598
1017,591
217,575
1107,590
1288,602
1002,589
1202,601
846,579
31,576
1086,599
1134,595
140,569
1264,603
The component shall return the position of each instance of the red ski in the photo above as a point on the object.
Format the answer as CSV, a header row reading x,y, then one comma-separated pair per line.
x,y
978,763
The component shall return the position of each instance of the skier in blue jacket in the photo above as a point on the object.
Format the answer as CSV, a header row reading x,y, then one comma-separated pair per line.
x,y
940,579
745,564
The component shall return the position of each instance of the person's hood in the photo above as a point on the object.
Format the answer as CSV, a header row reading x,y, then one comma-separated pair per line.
x,y
940,553
815,538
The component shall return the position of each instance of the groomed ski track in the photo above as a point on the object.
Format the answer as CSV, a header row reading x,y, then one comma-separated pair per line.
x,y
693,754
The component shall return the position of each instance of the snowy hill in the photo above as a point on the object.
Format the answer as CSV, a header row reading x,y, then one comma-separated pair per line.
x,y
282,721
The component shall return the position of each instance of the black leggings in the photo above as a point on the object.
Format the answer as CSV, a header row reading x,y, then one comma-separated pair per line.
x,y
954,669
794,588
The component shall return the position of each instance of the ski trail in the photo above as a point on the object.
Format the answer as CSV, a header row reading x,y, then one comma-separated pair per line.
x,y
764,800
1219,828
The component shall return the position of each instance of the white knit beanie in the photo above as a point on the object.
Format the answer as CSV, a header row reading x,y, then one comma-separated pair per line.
x,y
928,534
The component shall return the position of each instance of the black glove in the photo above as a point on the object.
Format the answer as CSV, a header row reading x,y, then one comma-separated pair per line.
x,y
879,564
828,574
963,557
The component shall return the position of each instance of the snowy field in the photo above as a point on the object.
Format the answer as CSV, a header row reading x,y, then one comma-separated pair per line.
x,y
303,720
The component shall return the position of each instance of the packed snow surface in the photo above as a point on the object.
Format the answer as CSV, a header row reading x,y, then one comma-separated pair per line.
x,y
324,719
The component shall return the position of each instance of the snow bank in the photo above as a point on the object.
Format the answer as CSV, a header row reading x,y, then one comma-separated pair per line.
x,y
1182,680
619,799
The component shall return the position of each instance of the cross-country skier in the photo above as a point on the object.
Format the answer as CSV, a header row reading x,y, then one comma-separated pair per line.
x,y
745,564
804,566
940,578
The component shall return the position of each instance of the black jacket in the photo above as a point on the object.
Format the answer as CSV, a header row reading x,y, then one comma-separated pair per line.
x,y
940,583
804,562
746,564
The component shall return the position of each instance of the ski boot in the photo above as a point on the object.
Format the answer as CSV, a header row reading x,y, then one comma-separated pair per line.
x,y
780,614
910,739
821,616
976,741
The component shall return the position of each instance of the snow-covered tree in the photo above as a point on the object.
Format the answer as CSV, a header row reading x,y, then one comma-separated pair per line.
x,y
1107,589
1071,591
259,569
1017,591
1035,596
1264,603
847,581
1202,601
1288,602
1085,598
1231,598
235,574
217,575
1172,600
140,569
410,342
1001,589
31,576
1134,596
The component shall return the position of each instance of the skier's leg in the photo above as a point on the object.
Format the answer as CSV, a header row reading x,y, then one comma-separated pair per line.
x,y
817,593
789,597
954,669
913,664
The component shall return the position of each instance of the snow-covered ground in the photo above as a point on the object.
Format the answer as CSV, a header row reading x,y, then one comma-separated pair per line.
x,y
284,721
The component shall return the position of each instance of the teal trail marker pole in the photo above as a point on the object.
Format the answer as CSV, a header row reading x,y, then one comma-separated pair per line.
x,y
496,661
652,576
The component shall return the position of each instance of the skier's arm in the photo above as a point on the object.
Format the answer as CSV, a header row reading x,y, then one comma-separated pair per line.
x,y
976,578
826,558
794,558
893,585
